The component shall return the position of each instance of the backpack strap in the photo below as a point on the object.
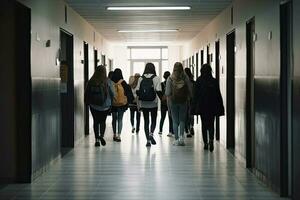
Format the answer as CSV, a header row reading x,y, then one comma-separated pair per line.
x,y
120,81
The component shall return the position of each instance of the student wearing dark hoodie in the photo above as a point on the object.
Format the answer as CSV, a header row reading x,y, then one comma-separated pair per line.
x,y
123,97
208,104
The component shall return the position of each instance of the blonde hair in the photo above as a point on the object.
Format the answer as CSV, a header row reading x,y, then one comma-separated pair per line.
x,y
178,72
133,81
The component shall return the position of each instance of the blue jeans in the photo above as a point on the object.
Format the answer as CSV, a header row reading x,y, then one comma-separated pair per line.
x,y
117,117
178,112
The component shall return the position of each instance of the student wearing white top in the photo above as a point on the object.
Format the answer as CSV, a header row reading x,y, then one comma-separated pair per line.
x,y
134,106
148,91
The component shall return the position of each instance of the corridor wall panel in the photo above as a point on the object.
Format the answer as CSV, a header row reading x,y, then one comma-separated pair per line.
x,y
296,103
48,17
266,80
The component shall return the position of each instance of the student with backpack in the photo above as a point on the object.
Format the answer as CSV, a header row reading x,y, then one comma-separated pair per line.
x,y
98,95
134,106
123,96
164,107
178,91
148,89
208,104
189,124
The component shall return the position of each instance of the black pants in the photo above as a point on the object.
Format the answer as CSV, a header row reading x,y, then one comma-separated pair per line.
x,y
146,113
138,118
99,118
208,123
162,120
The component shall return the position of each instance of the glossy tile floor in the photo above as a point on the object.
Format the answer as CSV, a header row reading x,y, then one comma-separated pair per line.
x,y
130,171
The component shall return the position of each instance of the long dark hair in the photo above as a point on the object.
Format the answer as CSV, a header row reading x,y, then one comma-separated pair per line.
x,y
166,75
99,75
149,69
206,70
110,74
117,75
188,72
178,72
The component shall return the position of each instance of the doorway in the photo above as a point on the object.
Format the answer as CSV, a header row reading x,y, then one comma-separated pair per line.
x,y
286,30
250,134
67,93
86,79
230,88
96,60
217,68
207,55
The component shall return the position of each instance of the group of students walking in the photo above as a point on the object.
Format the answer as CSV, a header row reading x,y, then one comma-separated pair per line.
x,y
181,98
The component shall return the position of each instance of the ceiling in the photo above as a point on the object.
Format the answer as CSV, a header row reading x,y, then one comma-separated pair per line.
x,y
189,22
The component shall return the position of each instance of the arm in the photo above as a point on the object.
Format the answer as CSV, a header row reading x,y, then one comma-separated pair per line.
x,y
157,86
128,92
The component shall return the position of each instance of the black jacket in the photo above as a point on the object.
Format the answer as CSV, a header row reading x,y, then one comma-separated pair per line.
x,y
208,99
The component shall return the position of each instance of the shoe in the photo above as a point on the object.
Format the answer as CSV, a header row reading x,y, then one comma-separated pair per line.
x,y
133,130
148,144
192,131
176,143
211,146
137,132
115,138
152,140
103,143
189,135
160,133
205,146
181,142
170,135
118,139
97,143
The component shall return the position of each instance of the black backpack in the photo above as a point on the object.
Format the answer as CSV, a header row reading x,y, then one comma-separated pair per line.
x,y
147,91
96,94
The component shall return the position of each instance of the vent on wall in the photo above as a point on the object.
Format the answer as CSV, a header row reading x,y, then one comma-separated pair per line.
x,y
66,14
231,16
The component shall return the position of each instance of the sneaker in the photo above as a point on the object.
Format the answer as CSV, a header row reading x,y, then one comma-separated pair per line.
x,y
152,140
181,142
97,143
133,130
205,146
176,143
189,135
192,131
103,143
137,132
170,135
211,146
148,144
118,139
160,133
115,138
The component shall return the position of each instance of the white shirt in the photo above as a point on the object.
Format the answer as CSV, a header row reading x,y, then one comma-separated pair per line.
x,y
157,87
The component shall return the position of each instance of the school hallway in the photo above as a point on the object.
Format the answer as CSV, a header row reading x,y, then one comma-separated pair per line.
x,y
128,170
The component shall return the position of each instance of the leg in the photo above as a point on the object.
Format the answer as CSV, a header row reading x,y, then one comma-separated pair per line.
x,y
146,122
103,126
162,119
175,119
120,121
95,122
153,119
132,117
114,122
182,119
138,121
211,128
170,123
204,129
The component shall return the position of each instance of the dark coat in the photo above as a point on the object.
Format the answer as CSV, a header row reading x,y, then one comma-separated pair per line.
x,y
207,99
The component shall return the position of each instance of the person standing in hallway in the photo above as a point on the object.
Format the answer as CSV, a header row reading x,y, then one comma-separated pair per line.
x,y
123,96
178,91
164,107
147,90
134,106
208,104
189,124
98,95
